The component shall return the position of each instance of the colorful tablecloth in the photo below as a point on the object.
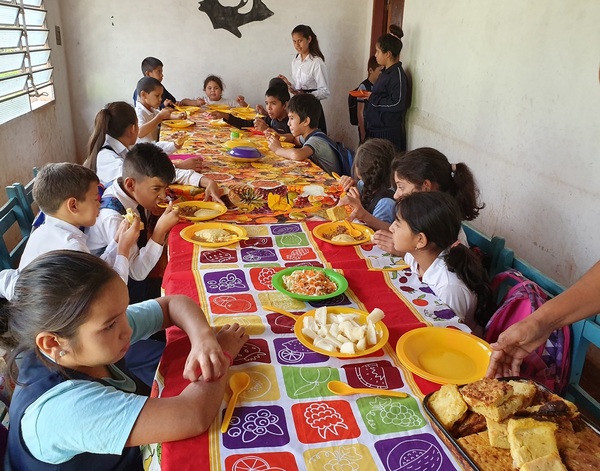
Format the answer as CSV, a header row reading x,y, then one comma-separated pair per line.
x,y
287,419
300,188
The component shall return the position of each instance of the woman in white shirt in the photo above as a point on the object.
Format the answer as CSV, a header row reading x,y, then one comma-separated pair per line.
x,y
309,74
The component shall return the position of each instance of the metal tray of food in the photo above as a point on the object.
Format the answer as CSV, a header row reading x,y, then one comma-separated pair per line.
x,y
468,463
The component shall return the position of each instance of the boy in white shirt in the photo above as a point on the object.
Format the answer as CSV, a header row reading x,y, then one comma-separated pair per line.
x,y
147,171
67,193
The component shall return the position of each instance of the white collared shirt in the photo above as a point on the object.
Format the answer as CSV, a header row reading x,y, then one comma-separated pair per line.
x,y
449,288
100,235
309,74
56,234
109,163
145,115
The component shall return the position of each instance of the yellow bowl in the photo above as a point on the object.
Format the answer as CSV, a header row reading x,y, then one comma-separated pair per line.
x,y
382,332
188,233
202,205
178,123
444,355
330,227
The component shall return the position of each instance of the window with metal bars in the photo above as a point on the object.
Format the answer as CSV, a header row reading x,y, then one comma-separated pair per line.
x,y
25,68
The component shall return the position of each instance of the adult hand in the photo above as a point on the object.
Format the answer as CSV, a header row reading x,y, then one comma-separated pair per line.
x,y
514,344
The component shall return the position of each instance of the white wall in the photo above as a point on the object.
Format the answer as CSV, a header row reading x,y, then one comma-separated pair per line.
x,y
106,42
46,134
511,88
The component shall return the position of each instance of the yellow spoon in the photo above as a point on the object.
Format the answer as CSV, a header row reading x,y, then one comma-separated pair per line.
x,y
335,175
343,389
281,311
353,232
238,382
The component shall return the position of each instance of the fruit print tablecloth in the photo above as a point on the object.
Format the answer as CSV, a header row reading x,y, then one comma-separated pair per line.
x,y
300,188
288,419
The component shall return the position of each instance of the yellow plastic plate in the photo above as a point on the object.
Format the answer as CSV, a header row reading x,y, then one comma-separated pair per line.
x,y
237,143
178,123
202,205
188,233
188,109
330,227
217,107
382,332
217,122
444,355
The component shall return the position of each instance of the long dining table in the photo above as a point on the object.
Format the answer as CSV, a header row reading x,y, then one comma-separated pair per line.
x,y
287,419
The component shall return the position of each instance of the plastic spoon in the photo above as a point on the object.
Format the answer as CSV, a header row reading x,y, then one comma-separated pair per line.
x,y
353,232
335,175
238,382
343,389
281,311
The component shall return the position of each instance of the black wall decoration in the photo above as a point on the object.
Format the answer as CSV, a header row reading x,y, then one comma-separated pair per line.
x,y
230,18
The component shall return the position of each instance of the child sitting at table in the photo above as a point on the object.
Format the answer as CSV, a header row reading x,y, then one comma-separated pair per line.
x,y
371,198
147,171
427,169
213,93
76,407
153,67
426,230
67,193
304,111
276,99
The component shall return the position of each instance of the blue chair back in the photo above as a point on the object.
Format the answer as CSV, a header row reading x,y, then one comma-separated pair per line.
x,y
585,333
11,216
24,194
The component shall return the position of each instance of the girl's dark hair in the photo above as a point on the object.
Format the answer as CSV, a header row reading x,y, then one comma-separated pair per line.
x,y
113,119
313,45
373,162
53,294
392,41
437,215
426,163
213,78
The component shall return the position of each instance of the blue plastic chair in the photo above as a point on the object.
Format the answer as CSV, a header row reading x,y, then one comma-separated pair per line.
x,y
585,333
24,194
497,257
12,215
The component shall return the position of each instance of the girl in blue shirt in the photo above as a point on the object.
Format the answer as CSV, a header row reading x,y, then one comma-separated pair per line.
x,y
371,198
76,407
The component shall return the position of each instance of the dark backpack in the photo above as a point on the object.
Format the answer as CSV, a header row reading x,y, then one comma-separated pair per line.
x,y
549,364
345,155
353,103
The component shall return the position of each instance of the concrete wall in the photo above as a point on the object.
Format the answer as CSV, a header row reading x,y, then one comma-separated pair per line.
x,y
511,88
46,134
106,42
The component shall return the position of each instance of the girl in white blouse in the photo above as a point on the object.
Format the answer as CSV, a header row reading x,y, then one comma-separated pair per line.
x,y
309,74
